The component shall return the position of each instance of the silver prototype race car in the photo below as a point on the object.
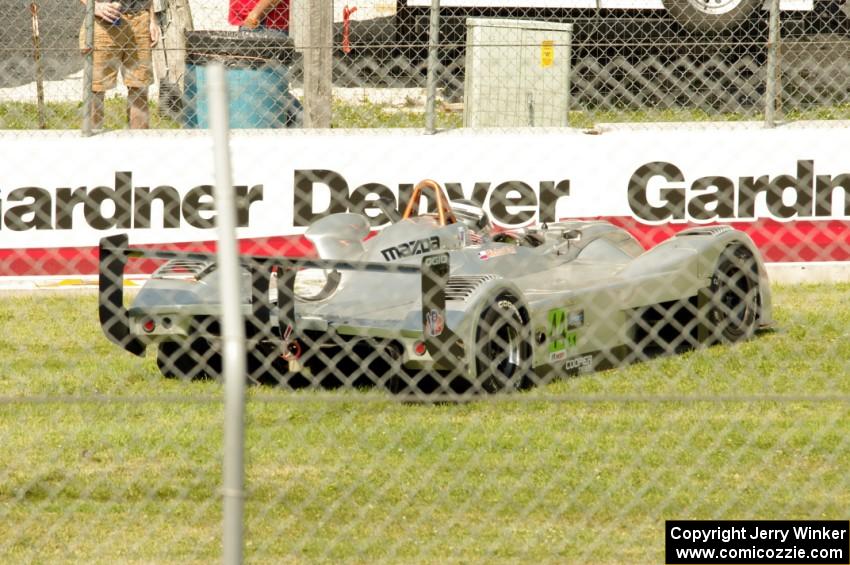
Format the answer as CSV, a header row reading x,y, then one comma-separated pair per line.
x,y
442,301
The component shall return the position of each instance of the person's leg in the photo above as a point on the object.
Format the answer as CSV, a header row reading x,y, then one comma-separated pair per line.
x,y
138,71
106,60
97,110
137,102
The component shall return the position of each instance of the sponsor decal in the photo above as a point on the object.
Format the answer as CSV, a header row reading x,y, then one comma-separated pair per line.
x,y
496,252
509,202
415,247
716,197
121,206
657,192
559,352
560,339
556,356
581,364
434,323
795,203
575,319
441,259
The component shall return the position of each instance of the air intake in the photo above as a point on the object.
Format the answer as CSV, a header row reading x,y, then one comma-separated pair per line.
x,y
461,287
182,269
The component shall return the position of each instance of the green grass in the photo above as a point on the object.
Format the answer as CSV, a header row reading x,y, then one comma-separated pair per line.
x,y
69,115
105,461
366,114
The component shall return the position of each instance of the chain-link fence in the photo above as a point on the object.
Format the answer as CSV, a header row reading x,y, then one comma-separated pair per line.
x,y
633,65
581,328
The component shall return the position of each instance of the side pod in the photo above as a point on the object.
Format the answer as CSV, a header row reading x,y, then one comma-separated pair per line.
x,y
114,319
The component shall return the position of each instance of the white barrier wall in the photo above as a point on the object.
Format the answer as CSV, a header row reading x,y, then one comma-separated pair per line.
x,y
787,187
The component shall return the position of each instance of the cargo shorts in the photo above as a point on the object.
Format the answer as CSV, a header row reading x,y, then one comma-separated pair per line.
x,y
125,46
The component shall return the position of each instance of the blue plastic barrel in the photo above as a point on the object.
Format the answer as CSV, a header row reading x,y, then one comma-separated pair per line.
x,y
256,74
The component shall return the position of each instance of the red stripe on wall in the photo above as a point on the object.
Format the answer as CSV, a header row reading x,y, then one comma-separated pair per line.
x,y
779,242
83,260
803,240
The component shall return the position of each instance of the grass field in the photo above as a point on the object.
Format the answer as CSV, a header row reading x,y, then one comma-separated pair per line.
x,y
365,114
105,461
68,116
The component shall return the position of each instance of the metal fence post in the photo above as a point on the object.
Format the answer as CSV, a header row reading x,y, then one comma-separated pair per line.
x,y
232,326
433,61
88,69
39,69
318,64
771,87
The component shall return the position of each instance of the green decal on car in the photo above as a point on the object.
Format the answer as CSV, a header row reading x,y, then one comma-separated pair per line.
x,y
560,338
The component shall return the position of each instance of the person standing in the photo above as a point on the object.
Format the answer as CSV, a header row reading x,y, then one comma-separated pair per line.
x,y
260,14
124,33
272,17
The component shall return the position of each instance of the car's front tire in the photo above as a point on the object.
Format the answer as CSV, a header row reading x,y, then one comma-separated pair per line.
x,y
502,347
732,309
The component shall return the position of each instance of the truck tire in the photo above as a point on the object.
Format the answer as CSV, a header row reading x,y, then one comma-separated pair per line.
x,y
710,16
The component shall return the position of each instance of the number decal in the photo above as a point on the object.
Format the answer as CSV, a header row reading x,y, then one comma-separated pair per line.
x,y
560,336
556,330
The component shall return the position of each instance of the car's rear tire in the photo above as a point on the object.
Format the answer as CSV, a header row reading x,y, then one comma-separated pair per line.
x,y
502,347
732,306
196,359
186,360
265,365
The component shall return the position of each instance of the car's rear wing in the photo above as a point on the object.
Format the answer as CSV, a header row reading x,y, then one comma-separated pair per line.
x,y
441,342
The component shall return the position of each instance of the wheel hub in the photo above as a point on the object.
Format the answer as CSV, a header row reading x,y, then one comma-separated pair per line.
x,y
715,7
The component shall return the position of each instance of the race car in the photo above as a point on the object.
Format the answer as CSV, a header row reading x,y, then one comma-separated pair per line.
x,y
441,301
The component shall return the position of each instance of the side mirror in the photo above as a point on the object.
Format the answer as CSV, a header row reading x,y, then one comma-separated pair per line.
x,y
471,214
572,235
339,236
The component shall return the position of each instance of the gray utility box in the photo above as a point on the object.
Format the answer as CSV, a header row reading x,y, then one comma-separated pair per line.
x,y
517,73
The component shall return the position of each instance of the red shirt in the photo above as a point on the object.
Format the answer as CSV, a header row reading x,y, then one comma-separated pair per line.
x,y
277,18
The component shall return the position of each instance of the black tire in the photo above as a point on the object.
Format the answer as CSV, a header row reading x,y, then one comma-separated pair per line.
x,y
187,360
415,384
710,16
265,365
732,305
502,347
